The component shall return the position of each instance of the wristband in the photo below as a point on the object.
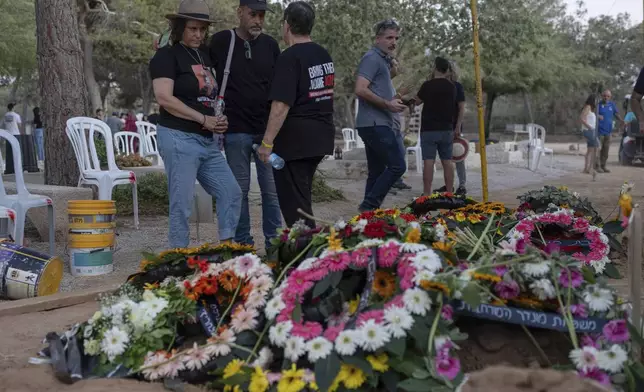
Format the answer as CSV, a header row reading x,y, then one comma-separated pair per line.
x,y
266,144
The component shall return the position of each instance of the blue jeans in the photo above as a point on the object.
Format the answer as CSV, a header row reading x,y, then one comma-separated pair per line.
x,y
239,148
188,157
385,162
40,143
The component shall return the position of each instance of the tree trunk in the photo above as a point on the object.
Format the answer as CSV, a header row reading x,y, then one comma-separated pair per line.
x,y
105,90
145,83
61,84
14,87
489,104
93,88
528,107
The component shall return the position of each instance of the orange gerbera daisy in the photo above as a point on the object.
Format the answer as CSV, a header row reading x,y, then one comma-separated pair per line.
x,y
191,292
245,290
208,285
384,284
228,280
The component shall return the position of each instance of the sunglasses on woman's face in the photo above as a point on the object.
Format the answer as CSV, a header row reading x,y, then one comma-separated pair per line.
x,y
249,54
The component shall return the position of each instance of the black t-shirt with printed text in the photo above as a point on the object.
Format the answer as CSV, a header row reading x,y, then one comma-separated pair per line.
x,y
304,80
439,105
194,84
249,81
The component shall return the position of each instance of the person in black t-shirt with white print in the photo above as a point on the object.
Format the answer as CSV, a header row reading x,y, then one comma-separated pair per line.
x,y
300,124
186,90
246,96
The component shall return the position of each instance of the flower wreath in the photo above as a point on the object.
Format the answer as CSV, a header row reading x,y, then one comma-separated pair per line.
x,y
242,285
438,201
177,255
599,248
359,325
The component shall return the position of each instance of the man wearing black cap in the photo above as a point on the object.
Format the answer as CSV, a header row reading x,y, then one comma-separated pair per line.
x,y
247,107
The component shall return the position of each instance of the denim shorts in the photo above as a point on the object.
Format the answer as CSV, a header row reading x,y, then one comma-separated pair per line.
x,y
591,139
441,141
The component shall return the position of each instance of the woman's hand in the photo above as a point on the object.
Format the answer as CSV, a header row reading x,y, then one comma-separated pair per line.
x,y
221,125
210,123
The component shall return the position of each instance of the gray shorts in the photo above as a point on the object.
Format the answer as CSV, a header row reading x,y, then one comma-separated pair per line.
x,y
441,141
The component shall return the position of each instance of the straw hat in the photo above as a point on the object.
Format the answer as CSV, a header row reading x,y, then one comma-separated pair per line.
x,y
193,10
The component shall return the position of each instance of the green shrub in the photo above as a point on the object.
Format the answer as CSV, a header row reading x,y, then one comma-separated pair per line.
x,y
153,196
321,191
101,152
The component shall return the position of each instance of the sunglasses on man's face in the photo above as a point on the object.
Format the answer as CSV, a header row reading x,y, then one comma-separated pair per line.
x,y
249,54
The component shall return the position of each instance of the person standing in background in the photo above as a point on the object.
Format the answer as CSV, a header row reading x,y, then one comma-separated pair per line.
x,y
300,123
377,105
99,114
39,135
114,122
607,111
247,107
12,120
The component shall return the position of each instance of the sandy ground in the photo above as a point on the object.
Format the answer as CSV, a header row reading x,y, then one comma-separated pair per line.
x,y
22,335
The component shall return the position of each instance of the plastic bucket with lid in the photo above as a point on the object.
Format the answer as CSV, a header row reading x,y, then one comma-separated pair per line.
x,y
25,273
91,255
91,216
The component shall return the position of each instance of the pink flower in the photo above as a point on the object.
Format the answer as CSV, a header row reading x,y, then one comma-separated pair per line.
x,y
463,266
396,301
360,257
387,254
332,333
593,235
624,220
587,340
579,310
507,289
317,274
570,277
407,280
616,331
447,313
501,270
273,377
551,248
308,330
447,366
521,245
337,262
596,375
375,315
565,220
580,225
525,227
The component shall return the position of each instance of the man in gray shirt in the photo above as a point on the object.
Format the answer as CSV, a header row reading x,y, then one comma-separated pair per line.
x,y
114,122
376,108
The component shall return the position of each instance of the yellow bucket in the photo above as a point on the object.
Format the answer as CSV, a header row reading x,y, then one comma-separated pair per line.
x,y
91,216
25,273
91,255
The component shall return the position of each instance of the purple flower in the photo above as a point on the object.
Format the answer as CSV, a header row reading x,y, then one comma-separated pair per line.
x,y
569,277
447,366
507,290
616,331
587,340
463,266
447,313
579,310
597,375
500,270
521,245
551,248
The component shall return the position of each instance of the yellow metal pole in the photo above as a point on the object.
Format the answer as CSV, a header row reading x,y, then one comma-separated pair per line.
x,y
479,96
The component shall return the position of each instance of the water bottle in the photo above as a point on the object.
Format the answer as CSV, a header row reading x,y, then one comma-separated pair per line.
x,y
276,161
219,111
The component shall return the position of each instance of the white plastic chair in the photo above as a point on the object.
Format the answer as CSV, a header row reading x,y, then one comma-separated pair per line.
x,y
10,215
149,146
537,142
81,132
349,136
418,155
124,143
22,201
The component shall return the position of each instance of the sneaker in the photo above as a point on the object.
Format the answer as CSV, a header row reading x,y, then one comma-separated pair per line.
x,y
605,170
401,185
393,192
441,189
461,191
599,170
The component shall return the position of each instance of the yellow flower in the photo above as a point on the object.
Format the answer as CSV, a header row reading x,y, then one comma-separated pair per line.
x,y
314,386
230,388
379,363
563,188
233,368
626,204
150,286
353,305
460,217
258,381
352,376
291,380
443,246
565,205
474,218
413,236
335,244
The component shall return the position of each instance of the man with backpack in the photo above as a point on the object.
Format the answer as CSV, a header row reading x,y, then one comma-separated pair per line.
x,y
244,59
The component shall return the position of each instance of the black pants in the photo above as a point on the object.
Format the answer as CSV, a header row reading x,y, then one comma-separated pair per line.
x,y
294,183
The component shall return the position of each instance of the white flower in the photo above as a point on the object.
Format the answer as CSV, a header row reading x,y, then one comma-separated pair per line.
x,y
427,260
97,316
507,248
294,348
439,231
600,265
264,358
423,275
369,243
360,225
151,365
114,342
409,247
255,300
308,263
219,345
514,235
274,307
417,301
347,342
148,295
536,270
340,225
141,318
171,369
244,319
318,348
91,347
598,299
195,358
262,283
87,332
278,333
440,341
154,306
612,360
373,336
584,358
399,321
543,289
246,265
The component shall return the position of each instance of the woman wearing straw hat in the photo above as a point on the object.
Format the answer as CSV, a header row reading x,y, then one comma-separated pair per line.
x,y
185,88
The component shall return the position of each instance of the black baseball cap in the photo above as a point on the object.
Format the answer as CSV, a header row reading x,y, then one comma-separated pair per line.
x,y
257,5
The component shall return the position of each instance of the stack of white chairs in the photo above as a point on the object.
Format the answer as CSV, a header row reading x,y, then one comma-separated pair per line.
x,y
537,143
149,146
